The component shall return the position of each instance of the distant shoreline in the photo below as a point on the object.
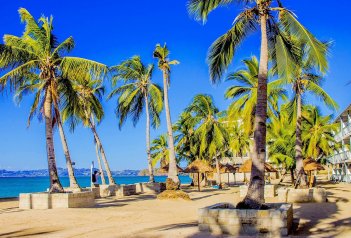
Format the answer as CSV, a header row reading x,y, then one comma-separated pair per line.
x,y
65,176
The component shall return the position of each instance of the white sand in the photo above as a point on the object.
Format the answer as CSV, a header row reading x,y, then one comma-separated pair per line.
x,y
145,216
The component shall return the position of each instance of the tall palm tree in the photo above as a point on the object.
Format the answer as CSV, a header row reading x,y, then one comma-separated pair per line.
x,y
161,53
159,151
281,141
304,79
98,157
239,140
137,92
211,133
318,134
246,94
186,143
85,106
37,62
275,30
72,179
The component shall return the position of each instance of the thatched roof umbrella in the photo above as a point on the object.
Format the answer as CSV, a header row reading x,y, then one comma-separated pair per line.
x,y
199,167
247,165
227,169
165,168
311,165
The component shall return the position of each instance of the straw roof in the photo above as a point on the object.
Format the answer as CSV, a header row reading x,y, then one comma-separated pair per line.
x,y
311,165
198,166
246,167
225,168
165,168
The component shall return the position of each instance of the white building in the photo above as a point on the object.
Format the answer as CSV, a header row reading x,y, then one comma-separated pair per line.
x,y
341,160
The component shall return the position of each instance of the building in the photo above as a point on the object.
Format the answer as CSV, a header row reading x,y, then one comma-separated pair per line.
x,y
341,160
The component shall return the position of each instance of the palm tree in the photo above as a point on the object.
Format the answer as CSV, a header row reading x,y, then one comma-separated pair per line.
x,y
137,93
37,62
304,79
101,170
186,143
239,140
246,94
85,107
159,151
281,141
164,64
318,134
275,32
211,133
72,179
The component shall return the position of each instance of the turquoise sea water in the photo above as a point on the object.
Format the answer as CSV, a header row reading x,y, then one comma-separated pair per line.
x,y
12,187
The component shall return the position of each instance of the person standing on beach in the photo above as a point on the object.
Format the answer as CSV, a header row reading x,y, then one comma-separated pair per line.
x,y
94,177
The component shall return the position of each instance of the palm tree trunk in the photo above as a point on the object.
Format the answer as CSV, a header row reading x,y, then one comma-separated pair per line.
x,y
111,181
55,184
151,170
255,193
301,175
292,176
172,171
72,179
219,179
102,175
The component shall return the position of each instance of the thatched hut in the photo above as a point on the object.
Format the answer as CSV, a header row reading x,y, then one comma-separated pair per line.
x,y
310,165
164,169
198,167
247,165
226,169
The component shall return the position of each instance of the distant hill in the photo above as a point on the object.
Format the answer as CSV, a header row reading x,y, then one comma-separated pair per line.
x,y
61,172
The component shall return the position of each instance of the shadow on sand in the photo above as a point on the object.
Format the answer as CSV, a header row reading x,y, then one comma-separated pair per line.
x,y
26,233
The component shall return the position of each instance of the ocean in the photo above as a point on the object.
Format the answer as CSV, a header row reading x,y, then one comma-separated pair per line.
x,y
13,186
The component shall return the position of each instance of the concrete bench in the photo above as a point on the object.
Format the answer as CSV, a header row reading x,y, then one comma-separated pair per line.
x,y
126,190
224,218
307,195
150,188
56,200
269,190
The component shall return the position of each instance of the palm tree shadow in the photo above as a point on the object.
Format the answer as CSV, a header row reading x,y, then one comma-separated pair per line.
x,y
119,202
315,213
26,233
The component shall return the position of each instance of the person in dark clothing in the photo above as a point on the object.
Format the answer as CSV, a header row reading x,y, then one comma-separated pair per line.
x,y
94,177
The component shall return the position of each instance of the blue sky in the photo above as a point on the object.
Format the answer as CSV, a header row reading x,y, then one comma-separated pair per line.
x,y
110,31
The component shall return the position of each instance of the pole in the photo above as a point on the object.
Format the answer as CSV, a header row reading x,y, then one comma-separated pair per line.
x,y
198,181
228,180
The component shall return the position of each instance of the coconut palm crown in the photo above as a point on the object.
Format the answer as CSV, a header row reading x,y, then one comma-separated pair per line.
x,y
276,24
161,53
38,63
137,93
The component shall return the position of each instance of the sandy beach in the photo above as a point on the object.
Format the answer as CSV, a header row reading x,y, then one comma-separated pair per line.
x,y
145,216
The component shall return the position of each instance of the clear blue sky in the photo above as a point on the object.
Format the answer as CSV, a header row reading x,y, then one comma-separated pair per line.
x,y
110,31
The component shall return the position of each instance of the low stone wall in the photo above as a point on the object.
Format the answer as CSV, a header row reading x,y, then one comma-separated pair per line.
x,y
292,195
269,190
223,218
56,200
95,190
150,188
126,190
108,190
73,190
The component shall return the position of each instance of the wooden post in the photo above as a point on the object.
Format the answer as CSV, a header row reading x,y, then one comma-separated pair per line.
x,y
198,181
